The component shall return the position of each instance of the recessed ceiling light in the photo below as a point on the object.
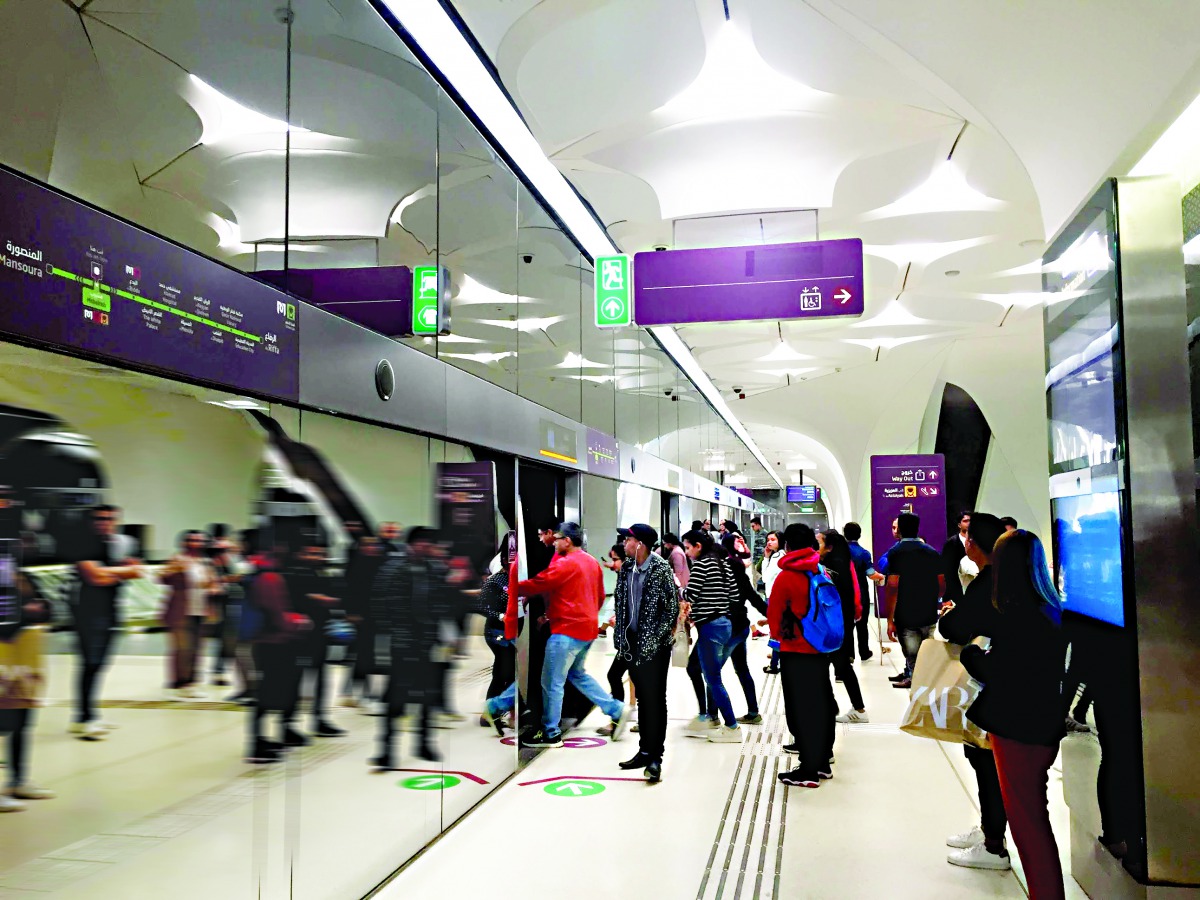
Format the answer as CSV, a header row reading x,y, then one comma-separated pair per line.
x,y
953,273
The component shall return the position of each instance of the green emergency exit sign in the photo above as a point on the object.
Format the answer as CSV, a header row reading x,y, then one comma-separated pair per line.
x,y
426,297
614,292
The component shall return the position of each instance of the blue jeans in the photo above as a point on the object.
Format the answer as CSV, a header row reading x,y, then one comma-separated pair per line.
x,y
504,701
714,644
565,657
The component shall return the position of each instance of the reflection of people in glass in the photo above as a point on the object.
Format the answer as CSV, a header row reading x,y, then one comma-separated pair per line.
x,y
104,565
273,628
21,681
1020,705
232,572
364,564
411,601
308,585
193,582
493,606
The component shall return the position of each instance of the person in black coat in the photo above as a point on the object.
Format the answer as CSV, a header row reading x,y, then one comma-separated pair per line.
x,y
953,552
1020,705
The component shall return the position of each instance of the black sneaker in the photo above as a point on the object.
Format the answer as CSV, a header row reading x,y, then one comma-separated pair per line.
x,y
864,657
793,749
654,772
770,671
293,738
895,678
541,739
382,763
795,779
427,753
263,752
750,719
639,760
825,774
324,729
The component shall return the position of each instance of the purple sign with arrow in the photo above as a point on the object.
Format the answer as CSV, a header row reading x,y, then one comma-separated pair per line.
x,y
815,279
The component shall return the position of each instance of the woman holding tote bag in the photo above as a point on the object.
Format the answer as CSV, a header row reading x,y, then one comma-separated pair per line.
x,y
1020,705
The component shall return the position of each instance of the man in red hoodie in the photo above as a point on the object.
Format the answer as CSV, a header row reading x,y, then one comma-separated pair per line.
x,y
804,673
575,588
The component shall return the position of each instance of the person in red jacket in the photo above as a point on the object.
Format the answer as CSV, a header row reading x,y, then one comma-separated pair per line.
x,y
804,673
574,586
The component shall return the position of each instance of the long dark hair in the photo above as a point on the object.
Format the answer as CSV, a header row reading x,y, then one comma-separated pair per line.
x,y
836,557
703,538
1021,578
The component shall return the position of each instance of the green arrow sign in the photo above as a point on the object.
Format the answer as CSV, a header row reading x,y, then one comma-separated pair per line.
x,y
426,296
574,788
614,292
430,782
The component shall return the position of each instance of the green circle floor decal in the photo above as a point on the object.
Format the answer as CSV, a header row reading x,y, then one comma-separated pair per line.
x,y
574,788
430,782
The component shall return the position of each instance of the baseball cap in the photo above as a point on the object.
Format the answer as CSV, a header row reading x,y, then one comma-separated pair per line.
x,y
570,530
641,532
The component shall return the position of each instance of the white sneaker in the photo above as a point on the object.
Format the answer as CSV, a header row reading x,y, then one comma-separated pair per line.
x,y
76,727
107,725
93,731
8,804
30,792
966,840
621,722
192,692
978,857
854,717
725,735
701,727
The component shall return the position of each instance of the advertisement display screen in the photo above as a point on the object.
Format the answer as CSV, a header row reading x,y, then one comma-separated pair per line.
x,y
76,277
1084,408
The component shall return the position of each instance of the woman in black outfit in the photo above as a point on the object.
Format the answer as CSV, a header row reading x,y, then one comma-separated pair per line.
x,y
835,556
1020,705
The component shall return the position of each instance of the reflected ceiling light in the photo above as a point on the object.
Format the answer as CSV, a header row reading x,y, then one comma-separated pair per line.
x,y
459,339
1177,152
485,358
1191,251
237,403
1087,255
1033,267
224,118
946,190
525,325
448,53
229,234
735,82
737,478
598,379
921,254
471,291
575,361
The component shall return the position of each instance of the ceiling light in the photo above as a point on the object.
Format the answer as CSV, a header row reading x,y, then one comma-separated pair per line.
x,y
784,353
953,273
223,117
737,478
598,379
471,291
735,82
440,42
1177,152
788,372
946,190
886,343
921,254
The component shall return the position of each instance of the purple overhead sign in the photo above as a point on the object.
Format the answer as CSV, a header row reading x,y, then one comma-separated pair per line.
x,y
815,279
376,297
911,483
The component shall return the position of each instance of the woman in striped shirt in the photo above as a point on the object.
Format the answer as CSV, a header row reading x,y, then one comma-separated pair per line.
x,y
707,598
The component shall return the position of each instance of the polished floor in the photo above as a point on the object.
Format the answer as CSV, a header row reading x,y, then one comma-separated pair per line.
x,y
166,807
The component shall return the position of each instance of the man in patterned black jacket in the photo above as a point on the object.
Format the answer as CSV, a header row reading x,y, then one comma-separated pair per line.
x,y
647,608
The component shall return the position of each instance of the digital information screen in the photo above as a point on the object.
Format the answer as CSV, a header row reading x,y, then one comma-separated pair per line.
x,y
1083,402
72,276
803,493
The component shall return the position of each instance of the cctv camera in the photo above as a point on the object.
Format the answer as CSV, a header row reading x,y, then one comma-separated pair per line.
x,y
736,389
527,257
669,391
660,248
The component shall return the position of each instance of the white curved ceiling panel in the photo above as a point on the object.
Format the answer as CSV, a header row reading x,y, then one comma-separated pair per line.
x,y
603,63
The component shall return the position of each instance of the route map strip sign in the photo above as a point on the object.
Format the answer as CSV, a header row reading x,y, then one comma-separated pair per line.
x,y
814,279
73,276
614,292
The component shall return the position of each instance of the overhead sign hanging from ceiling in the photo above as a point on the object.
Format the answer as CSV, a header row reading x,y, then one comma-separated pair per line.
x,y
814,279
614,292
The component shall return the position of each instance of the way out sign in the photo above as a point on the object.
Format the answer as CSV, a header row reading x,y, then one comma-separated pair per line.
x,y
614,292
574,788
430,300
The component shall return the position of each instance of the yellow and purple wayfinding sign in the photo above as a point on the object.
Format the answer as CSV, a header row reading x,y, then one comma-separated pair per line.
x,y
813,279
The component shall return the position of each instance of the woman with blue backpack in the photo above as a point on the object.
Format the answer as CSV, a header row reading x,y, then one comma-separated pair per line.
x,y
804,614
